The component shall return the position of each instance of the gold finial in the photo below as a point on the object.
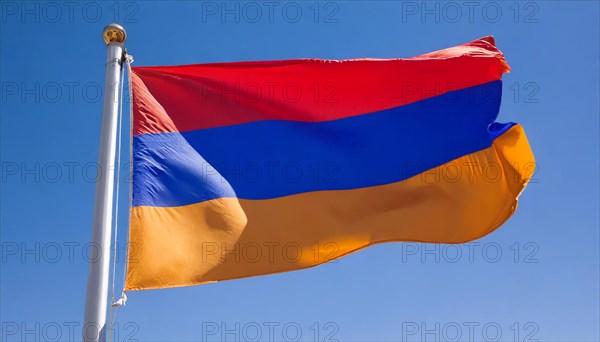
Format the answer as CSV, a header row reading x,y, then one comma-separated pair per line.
x,y
114,33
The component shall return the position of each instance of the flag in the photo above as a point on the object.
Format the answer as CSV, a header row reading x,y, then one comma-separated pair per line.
x,y
252,168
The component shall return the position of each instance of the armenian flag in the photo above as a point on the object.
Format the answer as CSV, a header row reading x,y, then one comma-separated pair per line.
x,y
251,168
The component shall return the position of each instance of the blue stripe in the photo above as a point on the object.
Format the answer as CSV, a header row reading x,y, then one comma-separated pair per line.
x,y
269,159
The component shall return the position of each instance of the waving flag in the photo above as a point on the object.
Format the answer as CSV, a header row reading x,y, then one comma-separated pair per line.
x,y
244,169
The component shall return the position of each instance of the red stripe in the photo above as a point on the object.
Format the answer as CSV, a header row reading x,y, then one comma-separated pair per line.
x,y
212,95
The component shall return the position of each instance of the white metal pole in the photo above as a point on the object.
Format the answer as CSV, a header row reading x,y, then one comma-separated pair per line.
x,y
94,327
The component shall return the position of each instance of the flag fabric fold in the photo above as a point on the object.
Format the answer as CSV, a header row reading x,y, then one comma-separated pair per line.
x,y
252,168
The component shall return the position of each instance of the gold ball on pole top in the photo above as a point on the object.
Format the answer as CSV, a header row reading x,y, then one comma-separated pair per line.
x,y
114,33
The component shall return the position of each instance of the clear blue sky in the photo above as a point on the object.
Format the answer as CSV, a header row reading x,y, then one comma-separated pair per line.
x,y
544,285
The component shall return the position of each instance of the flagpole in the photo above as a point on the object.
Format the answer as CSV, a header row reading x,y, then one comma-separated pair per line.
x,y
94,327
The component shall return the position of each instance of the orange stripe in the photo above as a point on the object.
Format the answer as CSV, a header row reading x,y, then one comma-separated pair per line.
x,y
229,238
